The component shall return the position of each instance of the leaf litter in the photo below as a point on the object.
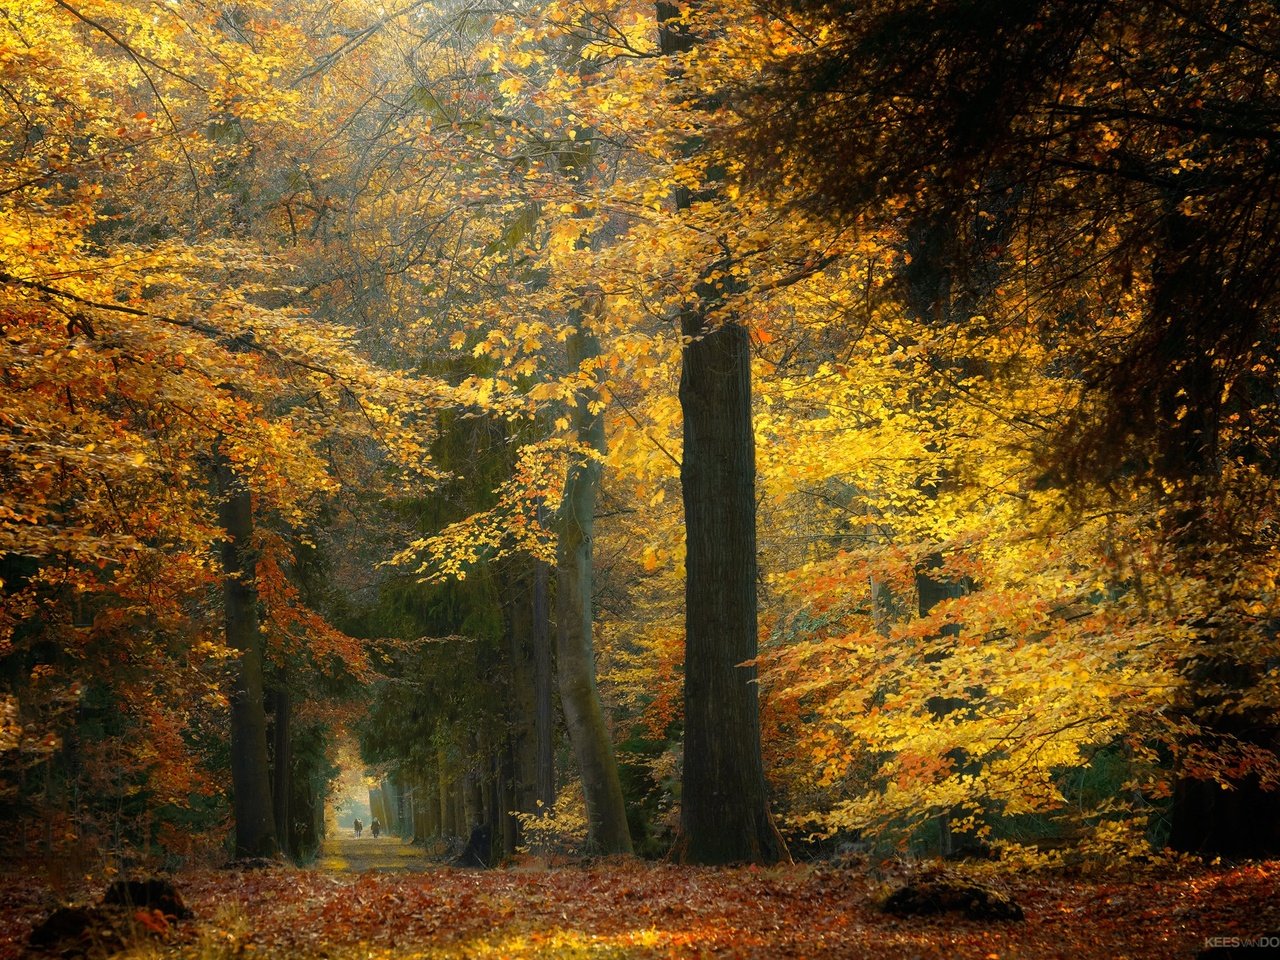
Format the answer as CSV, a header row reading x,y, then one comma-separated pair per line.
x,y
636,911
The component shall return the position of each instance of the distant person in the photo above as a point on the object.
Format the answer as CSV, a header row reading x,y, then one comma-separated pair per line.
x,y
358,826
375,828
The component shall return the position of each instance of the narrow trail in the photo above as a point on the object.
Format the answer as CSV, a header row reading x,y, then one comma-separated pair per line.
x,y
343,853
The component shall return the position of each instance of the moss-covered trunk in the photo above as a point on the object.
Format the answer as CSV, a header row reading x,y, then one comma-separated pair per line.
x,y
575,653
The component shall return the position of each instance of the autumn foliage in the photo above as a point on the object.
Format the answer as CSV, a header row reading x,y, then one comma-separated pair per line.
x,y
661,911
1015,486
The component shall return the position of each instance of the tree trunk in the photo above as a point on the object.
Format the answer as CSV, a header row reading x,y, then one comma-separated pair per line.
x,y
431,803
472,802
281,772
507,804
724,813
544,715
485,780
933,296
444,794
458,808
395,804
250,772
529,714
575,655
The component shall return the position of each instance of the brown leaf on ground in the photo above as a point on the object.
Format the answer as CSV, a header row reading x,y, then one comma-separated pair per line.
x,y
637,910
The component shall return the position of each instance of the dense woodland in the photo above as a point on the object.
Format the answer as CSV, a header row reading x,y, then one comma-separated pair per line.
x,y
722,432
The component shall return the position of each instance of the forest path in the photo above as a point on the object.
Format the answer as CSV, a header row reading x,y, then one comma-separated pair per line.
x,y
343,853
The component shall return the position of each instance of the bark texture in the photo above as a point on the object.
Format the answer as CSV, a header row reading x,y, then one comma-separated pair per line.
x,y
575,654
544,717
724,812
281,769
530,715
250,772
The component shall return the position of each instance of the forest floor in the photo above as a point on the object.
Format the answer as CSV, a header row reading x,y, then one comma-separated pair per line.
x,y
628,910
344,853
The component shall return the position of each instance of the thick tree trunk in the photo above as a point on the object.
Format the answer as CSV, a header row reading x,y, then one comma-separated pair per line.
x,y
485,780
395,804
281,770
472,802
530,712
575,655
443,794
528,765
250,772
509,838
421,809
458,808
544,714
314,830
724,812
429,801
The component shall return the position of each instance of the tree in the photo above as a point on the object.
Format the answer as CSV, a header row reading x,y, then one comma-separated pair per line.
x,y
520,374
724,813
575,655
142,290
250,775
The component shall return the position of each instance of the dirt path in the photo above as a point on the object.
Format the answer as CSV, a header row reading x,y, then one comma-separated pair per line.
x,y
343,853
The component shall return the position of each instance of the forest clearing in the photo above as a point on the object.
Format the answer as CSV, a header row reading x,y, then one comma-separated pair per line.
x,y
631,478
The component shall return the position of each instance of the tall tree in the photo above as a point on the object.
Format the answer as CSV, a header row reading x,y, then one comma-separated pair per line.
x,y
143,287
282,787
544,712
250,772
531,717
575,654
724,813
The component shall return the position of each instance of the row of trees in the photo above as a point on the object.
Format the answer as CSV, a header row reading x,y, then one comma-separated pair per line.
x,y
881,396
974,334
178,419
